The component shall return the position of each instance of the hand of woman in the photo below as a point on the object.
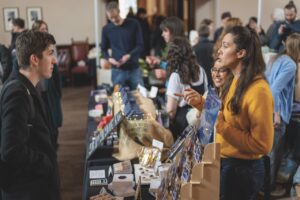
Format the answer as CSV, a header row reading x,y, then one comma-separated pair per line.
x,y
277,119
192,97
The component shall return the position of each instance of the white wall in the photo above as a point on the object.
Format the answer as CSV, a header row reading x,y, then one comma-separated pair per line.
x,y
66,18
75,18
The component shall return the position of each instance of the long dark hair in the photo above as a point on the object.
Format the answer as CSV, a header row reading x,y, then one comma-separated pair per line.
x,y
174,25
181,59
253,64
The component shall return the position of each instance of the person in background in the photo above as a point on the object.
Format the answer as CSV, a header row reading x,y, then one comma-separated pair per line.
x,y
277,17
51,90
219,75
18,26
257,28
203,50
245,124
171,27
141,16
221,78
234,21
224,18
5,62
281,73
130,13
210,25
124,58
183,72
27,151
285,28
158,43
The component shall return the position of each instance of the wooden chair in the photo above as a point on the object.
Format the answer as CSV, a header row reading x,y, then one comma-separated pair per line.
x,y
79,52
64,63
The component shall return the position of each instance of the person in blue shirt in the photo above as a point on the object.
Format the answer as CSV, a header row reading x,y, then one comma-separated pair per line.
x,y
281,73
285,28
124,38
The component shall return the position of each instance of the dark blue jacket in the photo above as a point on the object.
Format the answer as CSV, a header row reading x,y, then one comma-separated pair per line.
x,y
277,40
124,39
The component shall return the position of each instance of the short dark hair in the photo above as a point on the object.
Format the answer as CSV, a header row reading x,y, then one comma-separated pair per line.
x,y
290,5
113,5
141,11
18,22
206,22
32,42
253,19
225,15
203,30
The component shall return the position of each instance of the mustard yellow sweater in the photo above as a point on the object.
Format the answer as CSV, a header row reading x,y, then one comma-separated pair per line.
x,y
248,135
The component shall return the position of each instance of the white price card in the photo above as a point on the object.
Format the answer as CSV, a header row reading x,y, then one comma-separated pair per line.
x,y
97,174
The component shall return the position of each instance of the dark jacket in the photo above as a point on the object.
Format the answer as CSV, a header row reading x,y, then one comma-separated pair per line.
x,y
124,39
52,98
27,149
203,51
277,40
6,62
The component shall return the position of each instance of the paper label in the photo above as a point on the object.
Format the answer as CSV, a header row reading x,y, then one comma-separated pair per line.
x,y
97,174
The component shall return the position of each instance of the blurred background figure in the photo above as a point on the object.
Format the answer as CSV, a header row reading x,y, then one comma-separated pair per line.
x,y
203,50
252,24
141,16
224,18
18,26
285,28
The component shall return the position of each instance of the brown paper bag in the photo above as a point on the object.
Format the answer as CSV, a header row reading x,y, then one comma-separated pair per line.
x,y
134,134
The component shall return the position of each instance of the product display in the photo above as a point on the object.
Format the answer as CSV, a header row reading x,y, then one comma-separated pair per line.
x,y
98,182
122,167
146,174
122,185
208,117
164,181
149,156
104,195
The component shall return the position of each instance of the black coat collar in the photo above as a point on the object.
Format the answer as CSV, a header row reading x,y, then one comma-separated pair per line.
x,y
32,90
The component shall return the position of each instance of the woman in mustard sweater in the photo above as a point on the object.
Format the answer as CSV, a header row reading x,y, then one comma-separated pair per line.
x,y
245,124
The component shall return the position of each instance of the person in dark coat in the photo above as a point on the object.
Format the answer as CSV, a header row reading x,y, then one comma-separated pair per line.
x,y
6,62
26,143
224,18
141,17
203,50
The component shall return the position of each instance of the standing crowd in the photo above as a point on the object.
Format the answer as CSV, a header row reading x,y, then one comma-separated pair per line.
x,y
257,96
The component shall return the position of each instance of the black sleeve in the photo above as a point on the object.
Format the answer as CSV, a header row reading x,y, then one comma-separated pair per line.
x,y
6,62
15,134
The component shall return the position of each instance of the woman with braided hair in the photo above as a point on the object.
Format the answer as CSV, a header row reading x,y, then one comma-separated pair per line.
x,y
183,72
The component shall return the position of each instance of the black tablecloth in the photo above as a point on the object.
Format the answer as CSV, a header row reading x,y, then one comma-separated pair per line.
x,y
101,158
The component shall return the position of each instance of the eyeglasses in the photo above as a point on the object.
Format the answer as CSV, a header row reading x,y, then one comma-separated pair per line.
x,y
220,70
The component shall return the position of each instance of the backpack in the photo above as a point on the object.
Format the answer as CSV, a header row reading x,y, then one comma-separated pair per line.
x,y
5,169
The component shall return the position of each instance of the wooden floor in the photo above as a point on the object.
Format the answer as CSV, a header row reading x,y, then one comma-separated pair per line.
x,y
71,141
